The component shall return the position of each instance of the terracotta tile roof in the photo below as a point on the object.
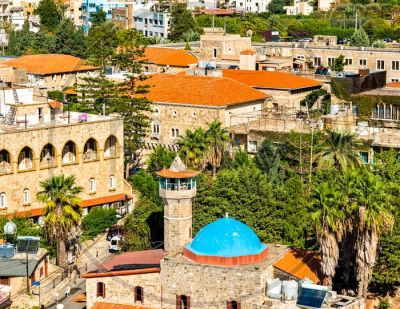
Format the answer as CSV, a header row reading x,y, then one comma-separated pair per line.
x,y
199,90
27,213
248,52
71,91
98,305
169,56
80,298
47,64
218,12
99,274
167,173
55,104
137,257
301,264
103,200
393,85
271,80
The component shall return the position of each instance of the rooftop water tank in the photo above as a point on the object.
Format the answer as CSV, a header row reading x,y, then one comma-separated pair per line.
x,y
290,289
274,288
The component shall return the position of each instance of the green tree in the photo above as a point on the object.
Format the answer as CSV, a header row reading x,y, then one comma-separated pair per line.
x,y
70,41
360,38
268,159
97,221
273,21
182,21
49,13
217,139
338,64
276,6
97,18
193,147
102,43
160,158
339,151
329,220
20,41
62,213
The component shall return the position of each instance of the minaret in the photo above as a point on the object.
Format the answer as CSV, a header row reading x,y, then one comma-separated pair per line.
x,y
177,189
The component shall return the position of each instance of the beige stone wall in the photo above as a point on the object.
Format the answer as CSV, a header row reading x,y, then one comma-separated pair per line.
x,y
100,169
120,289
212,286
284,98
371,56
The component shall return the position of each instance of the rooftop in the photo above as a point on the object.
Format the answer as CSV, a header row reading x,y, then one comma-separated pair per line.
x,y
200,90
99,305
301,264
16,266
47,64
177,170
270,79
169,56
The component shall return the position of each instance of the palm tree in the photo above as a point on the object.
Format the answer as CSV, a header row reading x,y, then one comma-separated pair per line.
x,y
217,139
193,147
339,150
373,217
329,220
62,213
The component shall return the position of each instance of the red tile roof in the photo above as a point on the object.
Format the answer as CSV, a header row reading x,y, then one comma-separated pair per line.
x,y
142,271
137,257
199,90
167,173
271,80
71,91
47,64
169,56
301,264
98,305
103,200
393,85
55,104
248,52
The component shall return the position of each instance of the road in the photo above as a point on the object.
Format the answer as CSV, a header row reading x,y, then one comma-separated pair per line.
x,y
89,260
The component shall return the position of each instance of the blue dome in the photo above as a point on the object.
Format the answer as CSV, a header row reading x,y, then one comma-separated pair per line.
x,y
226,237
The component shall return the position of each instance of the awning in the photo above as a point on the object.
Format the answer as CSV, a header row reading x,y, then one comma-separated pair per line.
x,y
104,200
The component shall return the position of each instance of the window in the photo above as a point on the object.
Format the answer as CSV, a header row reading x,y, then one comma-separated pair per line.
x,y
175,132
362,62
364,156
47,156
393,80
194,114
25,159
317,61
69,153
215,53
232,304
112,183
90,151
156,127
110,149
331,61
5,280
101,290
380,64
300,57
348,61
5,162
174,113
92,185
253,146
396,65
3,200
182,302
26,196
139,296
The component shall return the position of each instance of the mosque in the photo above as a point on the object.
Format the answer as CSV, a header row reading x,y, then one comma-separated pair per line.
x,y
224,266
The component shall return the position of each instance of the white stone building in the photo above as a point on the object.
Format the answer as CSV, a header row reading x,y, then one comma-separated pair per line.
x,y
300,7
249,6
151,19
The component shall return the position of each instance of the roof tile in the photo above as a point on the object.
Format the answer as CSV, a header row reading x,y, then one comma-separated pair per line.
x,y
169,56
270,80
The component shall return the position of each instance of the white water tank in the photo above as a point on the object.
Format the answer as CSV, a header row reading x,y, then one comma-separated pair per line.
x,y
274,288
290,289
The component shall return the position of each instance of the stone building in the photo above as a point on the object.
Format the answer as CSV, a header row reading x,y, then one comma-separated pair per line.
x,y
40,139
167,60
181,102
224,266
45,71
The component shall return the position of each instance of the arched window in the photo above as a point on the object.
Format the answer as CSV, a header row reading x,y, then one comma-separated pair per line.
x,y
232,304
139,296
182,302
90,150
47,156
5,162
112,182
92,185
26,196
110,148
3,200
25,159
69,153
101,290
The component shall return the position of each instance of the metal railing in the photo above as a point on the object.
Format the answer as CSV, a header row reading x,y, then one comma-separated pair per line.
x,y
177,187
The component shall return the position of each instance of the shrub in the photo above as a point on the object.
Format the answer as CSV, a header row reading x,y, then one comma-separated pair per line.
x,y
97,221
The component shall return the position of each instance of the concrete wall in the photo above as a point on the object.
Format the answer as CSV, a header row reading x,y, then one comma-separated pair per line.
x,y
120,290
14,183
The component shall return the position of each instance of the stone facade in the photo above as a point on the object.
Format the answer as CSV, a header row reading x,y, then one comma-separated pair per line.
x,y
121,289
31,152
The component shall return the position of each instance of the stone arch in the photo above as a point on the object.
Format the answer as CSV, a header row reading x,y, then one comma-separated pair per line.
x,y
111,147
69,153
91,150
5,162
26,159
48,155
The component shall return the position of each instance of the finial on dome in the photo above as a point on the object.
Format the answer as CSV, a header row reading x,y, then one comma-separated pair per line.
x,y
178,165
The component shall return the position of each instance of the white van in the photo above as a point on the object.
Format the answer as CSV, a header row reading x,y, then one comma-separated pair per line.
x,y
115,244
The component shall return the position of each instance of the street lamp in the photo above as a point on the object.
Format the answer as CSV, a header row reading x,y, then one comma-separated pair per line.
x,y
10,228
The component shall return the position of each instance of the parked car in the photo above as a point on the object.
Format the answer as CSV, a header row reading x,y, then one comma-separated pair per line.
x,y
115,230
115,244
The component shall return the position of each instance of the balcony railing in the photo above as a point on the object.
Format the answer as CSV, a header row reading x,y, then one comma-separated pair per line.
x,y
177,187
90,155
